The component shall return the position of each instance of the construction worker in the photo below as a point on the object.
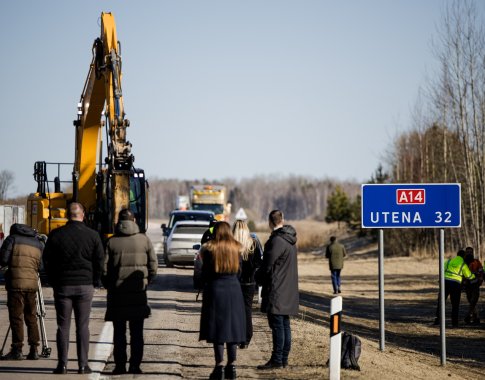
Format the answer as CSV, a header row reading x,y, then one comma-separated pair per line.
x,y
455,270
472,287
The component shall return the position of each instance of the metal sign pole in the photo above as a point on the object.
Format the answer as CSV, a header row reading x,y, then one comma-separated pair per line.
x,y
381,291
442,297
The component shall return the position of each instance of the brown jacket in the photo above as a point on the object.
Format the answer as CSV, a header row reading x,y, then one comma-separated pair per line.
x,y
21,252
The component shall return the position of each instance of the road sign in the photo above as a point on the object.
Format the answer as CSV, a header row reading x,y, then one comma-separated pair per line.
x,y
436,205
241,214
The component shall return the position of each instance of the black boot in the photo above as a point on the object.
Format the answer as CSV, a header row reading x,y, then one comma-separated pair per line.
x,y
14,354
33,355
217,373
230,371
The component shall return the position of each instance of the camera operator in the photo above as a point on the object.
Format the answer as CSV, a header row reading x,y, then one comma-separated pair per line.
x,y
21,252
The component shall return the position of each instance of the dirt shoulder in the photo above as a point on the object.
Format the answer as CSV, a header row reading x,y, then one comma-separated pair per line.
x,y
412,343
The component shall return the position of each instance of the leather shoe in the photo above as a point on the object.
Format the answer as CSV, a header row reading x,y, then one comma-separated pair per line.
x,y
119,370
61,369
230,371
134,369
270,365
84,370
217,373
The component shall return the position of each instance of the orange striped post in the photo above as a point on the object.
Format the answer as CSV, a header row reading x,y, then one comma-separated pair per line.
x,y
335,337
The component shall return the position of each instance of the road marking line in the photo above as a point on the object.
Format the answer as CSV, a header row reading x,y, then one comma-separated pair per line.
x,y
102,351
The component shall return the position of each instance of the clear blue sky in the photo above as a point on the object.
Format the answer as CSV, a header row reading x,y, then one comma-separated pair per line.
x,y
217,89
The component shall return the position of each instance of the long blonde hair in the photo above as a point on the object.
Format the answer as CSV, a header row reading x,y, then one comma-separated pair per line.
x,y
225,249
241,233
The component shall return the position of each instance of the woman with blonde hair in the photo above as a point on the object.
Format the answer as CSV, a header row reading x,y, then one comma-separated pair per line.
x,y
251,255
222,318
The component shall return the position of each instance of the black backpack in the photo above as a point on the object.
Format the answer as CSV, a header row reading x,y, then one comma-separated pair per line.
x,y
351,349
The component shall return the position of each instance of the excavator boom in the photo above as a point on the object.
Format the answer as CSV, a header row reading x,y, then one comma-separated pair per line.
x,y
116,184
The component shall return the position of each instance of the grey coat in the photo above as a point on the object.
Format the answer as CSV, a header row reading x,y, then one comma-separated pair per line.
x,y
130,264
278,273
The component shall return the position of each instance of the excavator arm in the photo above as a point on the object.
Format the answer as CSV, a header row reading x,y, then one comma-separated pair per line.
x,y
115,184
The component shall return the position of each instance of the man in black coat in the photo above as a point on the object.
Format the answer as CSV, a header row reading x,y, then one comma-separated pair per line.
x,y
278,276
73,259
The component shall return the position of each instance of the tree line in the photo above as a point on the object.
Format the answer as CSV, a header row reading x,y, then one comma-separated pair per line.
x,y
298,196
446,141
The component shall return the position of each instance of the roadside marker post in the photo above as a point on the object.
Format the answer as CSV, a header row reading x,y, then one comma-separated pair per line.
x,y
335,337
434,205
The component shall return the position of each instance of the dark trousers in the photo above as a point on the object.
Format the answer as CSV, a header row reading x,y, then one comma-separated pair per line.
x,y
472,295
136,342
79,299
452,289
280,327
219,352
335,274
248,295
22,307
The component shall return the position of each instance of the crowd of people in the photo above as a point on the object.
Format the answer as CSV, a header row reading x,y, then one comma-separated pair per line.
x,y
77,263
233,265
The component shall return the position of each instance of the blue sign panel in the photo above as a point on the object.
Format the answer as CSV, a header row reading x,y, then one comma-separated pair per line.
x,y
407,205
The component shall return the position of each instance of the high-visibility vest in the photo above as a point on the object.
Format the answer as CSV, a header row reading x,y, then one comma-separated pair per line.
x,y
456,269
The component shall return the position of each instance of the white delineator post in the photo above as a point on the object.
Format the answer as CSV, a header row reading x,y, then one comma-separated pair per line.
x,y
335,337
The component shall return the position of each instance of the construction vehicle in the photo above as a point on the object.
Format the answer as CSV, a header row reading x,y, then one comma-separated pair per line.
x,y
103,188
211,198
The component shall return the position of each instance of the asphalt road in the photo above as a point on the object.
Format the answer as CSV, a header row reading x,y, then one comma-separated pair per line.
x,y
100,331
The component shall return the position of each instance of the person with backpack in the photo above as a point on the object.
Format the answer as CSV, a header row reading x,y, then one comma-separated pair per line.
x,y
472,287
455,270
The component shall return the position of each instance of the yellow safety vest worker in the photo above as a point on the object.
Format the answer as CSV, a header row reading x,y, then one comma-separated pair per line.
x,y
456,269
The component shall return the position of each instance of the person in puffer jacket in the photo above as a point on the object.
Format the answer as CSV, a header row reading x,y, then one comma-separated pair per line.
x,y
21,252
130,264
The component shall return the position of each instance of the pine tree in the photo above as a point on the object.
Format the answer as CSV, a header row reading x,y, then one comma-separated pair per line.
x,y
338,207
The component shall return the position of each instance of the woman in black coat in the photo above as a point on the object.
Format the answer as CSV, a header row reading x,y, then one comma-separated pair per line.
x,y
251,255
223,317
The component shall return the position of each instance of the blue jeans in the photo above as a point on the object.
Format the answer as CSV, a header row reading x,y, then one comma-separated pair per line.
x,y
335,279
280,327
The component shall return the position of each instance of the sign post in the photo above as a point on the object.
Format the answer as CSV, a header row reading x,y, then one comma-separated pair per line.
x,y
442,297
382,330
335,338
436,205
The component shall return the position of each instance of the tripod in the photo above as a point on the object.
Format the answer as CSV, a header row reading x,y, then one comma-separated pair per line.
x,y
39,300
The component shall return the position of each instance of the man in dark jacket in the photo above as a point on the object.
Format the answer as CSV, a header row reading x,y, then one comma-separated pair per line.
x,y
278,275
130,264
335,254
73,259
21,252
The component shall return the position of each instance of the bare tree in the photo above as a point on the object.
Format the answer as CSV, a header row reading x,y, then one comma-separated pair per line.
x,y
6,182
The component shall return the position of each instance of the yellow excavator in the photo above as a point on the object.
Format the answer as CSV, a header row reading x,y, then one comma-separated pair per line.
x,y
104,188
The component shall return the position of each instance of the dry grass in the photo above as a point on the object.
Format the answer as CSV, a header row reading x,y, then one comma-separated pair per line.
x,y
311,234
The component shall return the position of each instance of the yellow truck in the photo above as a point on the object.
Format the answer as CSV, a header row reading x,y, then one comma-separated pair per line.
x,y
212,198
